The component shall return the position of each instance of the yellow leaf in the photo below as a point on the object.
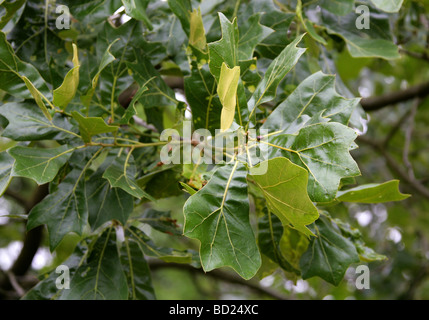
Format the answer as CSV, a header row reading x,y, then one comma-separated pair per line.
x,y
227,91
197,36
37,95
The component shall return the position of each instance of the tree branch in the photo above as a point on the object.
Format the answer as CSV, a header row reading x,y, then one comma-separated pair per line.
x,y
394,166
379,102
32,241
220,275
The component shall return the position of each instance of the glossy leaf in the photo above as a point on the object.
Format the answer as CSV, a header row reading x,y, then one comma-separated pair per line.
x,y
104,202
6,164
373,193
38,97
376,42
64,94
355,236
251,34
101,276
339,8
91,126
266,90
121,174
200,91
328,255
284,186
41,165
63,211
152,250
47,289
323,149
182,9
218,216
137,272
137,10
12,69
159,93
226,49
11,8
388,5
270,232
315,95
28,123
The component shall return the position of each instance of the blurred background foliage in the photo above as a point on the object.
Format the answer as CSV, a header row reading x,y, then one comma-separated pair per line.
x,y
394,144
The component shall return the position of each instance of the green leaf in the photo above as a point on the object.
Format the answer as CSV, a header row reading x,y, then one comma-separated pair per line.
x,y
28,123
11,8
38,164
329,255
63,211
131,110
159,93
284,186
121,174
251,34
38,97
376,42
388,5
182,9
323,149
101,276
137,272
6,164
269,236
200,91
47,288
355,236
137,10
161,221
293,244
227,91
279,21
197,35
218,216
106,203
373,193
266,90
308,25
64,94
152,250
106,59
91,126
314,95
338,7
12,69
226,49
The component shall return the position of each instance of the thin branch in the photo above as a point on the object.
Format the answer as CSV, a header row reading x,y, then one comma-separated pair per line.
x,y
220,275
394,166
408,137
421,56
392,98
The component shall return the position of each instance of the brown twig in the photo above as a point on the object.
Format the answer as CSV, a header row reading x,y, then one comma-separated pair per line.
x,y
394,166
392,98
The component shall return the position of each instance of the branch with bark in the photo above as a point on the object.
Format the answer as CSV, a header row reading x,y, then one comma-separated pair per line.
x,y
392,98
31,243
